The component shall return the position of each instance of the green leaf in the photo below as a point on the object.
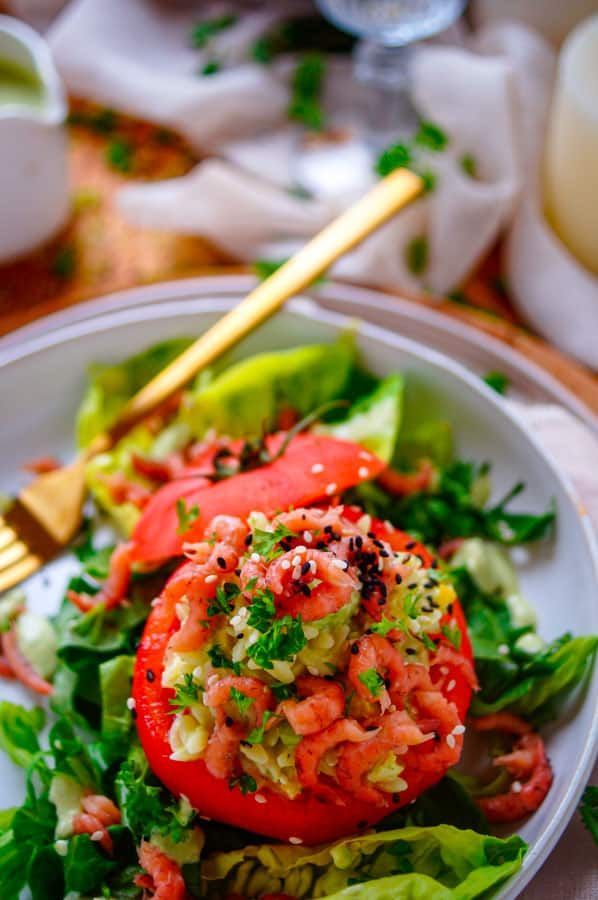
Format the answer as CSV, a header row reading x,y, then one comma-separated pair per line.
x,y
283,640
416,255
220,660
203,32
246,783
120,155
19,728
588,810
256,735
186,692
431,136
498,381
85,866
469,165
241,700
45,876
397,156
115,689
372,680
453,635
306,89
222,602
262,611
186,516
266,543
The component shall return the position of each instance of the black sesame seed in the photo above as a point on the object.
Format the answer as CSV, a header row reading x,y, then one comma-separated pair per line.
x,y
133,714
229,722
305,568
384,554
411,651
387,682
396,798
305,589
410,545
382,601
328,529
412,586
239,636
398,578
150,675
359,542
221,562
237,572
248,540
354,649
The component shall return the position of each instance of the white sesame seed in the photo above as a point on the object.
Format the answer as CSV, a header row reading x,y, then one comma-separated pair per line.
x,y
236,621
205,818
61,847
317,468
295,840
155,601
503,649
296,561
388,525
339,564
459,729
131,703
296,573
365,455
259,798
210,579
363,471
181,610
97,835
213,678
443,670
313,670
330,488
198,672
255,557
312,566
451,685
300,549
307,537
285,564
450,739
516,787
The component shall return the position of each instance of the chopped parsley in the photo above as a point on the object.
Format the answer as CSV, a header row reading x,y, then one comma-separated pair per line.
x,y
588,810
257,735
498,381
220,660
428,642
262,611
203,32
211,67
246,783
453,634
186,692
468,164
283,691
221,604
372,680
283,640
394,157
119,155
416,254
266,543
431,136
306,90
186,516
241,700
65,262
410,604
385,626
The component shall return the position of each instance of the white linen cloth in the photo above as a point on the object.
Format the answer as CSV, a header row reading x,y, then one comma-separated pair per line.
x,y
491,94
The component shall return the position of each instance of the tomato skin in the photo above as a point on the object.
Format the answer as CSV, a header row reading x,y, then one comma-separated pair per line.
x,y
286,482
306,817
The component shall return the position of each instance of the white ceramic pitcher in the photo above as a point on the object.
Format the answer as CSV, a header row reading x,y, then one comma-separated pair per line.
x,y
34,196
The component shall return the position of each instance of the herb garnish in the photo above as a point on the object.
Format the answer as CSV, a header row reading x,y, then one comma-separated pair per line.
x,y
306,89
186,692
431,136
119,155
262,611
241,700
204,31
372,680
221,603
498,381
453,634
186,516
588,810
468,164
257,735
246,783
283,640
266,542
416,254
220,660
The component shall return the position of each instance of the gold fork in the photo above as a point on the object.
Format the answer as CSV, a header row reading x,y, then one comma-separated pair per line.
x,y
47,513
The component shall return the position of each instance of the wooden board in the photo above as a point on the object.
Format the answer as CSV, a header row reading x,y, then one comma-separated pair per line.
x,y
100,252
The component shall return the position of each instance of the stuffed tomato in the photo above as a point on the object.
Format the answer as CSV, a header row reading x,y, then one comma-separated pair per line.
x,y
303,674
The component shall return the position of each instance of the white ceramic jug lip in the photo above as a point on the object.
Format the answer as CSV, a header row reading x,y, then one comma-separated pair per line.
x,y
54,108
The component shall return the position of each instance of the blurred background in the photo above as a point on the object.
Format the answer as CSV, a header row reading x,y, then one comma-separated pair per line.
x,y
155,139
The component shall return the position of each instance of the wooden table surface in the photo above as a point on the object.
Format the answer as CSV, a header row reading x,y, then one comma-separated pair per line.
x,y
100,252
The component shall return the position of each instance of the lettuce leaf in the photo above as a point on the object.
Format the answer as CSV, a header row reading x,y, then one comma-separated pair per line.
x,y
246,399
440,862
19,728
111,386
115,688
373,421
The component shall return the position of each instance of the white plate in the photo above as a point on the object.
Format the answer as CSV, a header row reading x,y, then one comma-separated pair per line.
x,y
41,380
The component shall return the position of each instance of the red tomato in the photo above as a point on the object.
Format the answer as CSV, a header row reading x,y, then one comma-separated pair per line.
x,y
306,817
289,481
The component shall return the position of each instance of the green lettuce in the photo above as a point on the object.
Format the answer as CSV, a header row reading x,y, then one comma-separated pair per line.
x,y
430,439
246,399
111,386
440,862
19,729
373,421
115,688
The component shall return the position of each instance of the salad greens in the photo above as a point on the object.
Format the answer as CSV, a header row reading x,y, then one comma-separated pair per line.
x,y
437,846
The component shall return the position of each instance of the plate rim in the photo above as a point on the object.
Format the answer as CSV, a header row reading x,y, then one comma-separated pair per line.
x,y
15,352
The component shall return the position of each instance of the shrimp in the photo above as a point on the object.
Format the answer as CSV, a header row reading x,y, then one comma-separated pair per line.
x,y
42,465
372,652
401,483
443,716
311,749
230,529
19,666
115,587
448,656
98,812
397,732
123,490
324,703
164,877
526,762
221,751
289,575
314,521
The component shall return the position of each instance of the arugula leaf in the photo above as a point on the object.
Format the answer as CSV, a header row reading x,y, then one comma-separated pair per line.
x,y
186,516
220,660
262,611
266,543
241,700
186,692
283,640
306,90
372,680
588,810
19,728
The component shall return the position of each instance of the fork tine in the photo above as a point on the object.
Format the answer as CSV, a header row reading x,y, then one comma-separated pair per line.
x,y
12,554
19,571
7,534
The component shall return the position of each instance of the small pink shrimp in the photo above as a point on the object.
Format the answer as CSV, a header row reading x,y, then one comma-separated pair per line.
x,y
114,589
164,877
436,710
324,703
189,582
311,749
223,745
19,666
124,490
449,656
288,580
397,732
98,812
230,529
501,721
314,521
374,653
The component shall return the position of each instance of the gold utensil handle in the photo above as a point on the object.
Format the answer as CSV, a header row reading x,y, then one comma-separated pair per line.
x,y
356,223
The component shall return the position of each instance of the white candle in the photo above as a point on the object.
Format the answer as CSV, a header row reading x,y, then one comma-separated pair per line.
x,y
571,163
